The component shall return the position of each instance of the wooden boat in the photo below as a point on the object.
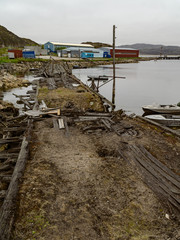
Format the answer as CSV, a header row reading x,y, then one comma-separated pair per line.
x,y
98,78
166,120
162,109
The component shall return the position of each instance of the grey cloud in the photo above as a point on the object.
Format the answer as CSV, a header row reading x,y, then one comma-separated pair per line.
x,y
83,20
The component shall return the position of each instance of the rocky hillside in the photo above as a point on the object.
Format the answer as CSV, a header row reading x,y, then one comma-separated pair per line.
x,y
9,39
97,44
152,49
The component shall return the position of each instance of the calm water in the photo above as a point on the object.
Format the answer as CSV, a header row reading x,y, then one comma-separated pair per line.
x,y
146,83
9,97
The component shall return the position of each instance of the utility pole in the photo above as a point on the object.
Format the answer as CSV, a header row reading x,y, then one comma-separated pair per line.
x,y
114,70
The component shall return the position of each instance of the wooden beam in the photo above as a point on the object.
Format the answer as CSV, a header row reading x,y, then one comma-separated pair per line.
x,y
7,211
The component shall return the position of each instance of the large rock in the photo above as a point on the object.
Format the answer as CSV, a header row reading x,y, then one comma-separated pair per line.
x,y
8,81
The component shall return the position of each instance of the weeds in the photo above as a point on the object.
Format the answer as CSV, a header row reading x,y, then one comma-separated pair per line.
x,y
20,60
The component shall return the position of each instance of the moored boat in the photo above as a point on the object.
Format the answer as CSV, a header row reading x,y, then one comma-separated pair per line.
x,y
162,109
166,120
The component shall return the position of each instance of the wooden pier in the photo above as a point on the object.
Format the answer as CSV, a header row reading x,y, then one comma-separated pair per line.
x,y
169,58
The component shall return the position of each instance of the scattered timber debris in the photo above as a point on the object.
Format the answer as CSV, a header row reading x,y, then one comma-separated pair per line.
x,y
163,181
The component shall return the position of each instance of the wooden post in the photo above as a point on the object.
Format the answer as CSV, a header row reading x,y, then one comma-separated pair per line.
x,y
114,72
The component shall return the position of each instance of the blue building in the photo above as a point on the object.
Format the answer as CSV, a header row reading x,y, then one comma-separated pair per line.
x,y
92,53
53,46
87,55
28,54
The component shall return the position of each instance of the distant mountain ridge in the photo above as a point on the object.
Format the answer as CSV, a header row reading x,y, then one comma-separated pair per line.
x,y
152,49
98,44
9,39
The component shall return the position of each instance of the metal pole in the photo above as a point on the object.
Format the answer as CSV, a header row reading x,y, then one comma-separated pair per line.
x,y
114,68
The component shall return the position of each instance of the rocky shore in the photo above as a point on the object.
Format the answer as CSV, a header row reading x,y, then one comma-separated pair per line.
x,y
8,81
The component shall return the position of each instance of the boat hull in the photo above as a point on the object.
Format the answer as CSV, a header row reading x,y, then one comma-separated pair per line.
x,y
162,110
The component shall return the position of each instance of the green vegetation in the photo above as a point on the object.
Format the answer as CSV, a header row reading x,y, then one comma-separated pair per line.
x,y
117,59
3,51
20,60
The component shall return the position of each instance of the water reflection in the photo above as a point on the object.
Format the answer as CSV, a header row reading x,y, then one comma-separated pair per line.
x,y
145,83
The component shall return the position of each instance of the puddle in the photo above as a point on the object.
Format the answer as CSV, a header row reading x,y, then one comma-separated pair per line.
x,y
9,97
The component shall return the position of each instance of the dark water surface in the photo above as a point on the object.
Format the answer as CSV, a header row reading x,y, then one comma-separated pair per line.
x,y
146,83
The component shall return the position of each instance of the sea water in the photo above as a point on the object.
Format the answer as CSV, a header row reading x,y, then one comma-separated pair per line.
x,y
145,83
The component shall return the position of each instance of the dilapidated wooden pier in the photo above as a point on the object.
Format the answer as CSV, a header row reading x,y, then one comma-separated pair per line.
x,y
17,134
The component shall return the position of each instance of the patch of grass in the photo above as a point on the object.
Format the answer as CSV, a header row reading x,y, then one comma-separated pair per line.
x,y
3,51
20,60
63,97
35,224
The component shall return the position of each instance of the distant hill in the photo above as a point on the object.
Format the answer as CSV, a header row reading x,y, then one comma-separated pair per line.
x,y
152,49
97,44
9,39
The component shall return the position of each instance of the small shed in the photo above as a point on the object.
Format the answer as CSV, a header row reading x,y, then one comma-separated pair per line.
x,y
28,54
15,53
87,55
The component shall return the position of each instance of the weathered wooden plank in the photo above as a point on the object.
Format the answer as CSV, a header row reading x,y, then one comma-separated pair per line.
x,y
165,185
51,83
166,173
152,178
61,123
55,124
14,129
66,126
20,96
8,155
5,167
10,140
158,163
31,91
98,114
166,129
106,123
7,210
27,103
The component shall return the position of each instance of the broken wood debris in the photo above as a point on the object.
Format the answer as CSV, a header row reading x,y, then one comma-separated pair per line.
x,y
8,155
157,176
61,123
7,211
10,140
14,129
55,124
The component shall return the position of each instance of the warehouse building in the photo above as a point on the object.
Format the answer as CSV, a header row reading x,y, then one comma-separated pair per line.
x,y
80,52
54,46
125,52
121,52
37,49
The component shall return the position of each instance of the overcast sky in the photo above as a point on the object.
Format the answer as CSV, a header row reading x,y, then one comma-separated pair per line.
x,y
75,21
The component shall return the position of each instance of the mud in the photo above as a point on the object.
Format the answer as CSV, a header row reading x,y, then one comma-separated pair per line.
x,y
78,187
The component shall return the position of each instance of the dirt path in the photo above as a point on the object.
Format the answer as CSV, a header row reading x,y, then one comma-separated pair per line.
x,y
74,188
